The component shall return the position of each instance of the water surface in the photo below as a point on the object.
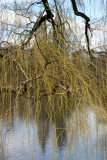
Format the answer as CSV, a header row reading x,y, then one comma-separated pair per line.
x,y
77,135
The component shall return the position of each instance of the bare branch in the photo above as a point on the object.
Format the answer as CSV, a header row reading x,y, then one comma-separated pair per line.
x,y
38,23
87,25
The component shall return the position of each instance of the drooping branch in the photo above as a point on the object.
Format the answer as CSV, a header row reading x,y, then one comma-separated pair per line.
x,y
87,25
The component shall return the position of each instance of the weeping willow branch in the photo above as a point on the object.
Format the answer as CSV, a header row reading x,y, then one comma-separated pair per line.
x,y
66,89
20,68
32,78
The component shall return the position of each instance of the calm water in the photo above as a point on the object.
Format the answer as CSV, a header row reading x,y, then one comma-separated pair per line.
x,y
79,135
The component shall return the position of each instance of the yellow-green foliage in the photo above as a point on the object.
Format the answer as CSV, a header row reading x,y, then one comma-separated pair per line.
x,y
83,79
56,84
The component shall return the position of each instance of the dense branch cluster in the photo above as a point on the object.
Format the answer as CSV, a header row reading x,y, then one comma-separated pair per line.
x,y
46,68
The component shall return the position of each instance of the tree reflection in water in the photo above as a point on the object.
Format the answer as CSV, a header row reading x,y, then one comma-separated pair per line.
x,y
29,129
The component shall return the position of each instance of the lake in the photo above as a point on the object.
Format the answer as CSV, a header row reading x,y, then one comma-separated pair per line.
x,y
34,132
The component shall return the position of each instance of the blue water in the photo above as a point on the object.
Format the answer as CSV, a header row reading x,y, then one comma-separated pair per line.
x,y
39,140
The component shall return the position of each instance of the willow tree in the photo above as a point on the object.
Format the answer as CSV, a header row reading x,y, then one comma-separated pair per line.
x,y
38,63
